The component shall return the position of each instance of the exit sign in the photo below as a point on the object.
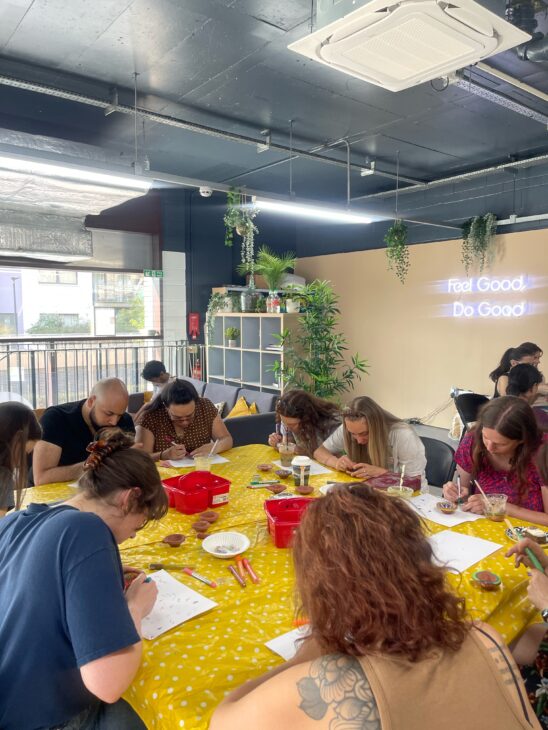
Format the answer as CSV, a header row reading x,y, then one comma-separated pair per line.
x,y
157,273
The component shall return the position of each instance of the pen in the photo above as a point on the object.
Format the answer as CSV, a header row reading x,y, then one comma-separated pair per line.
x,y
235,573
205,580
247,565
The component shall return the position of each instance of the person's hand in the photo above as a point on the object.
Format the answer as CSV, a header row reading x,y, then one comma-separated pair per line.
x,y
366,471
204,450
521,557
274,439
538,589
130,574
451,493
174,452
141,596
475,504
344,464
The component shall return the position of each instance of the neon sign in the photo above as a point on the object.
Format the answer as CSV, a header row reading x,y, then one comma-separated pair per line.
x,y
488,285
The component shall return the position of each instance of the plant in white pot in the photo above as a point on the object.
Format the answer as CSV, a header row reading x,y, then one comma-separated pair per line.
x,y
232,334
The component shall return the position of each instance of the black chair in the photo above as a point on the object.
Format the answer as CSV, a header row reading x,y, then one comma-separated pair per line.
x,y
468,406
440,465
251,429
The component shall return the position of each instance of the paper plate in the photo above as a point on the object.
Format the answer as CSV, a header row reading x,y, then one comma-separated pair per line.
x,y
520,533
225,544
326,488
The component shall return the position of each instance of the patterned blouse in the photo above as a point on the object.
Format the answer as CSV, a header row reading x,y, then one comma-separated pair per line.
x,y
494,481
198,433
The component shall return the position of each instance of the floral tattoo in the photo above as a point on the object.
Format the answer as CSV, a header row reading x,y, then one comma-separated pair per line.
x,y
337,682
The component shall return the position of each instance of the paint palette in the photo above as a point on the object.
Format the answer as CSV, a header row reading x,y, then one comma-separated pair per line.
x,y
521,532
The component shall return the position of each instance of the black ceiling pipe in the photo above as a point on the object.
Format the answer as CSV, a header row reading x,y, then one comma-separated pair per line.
x,y
521,13
535,50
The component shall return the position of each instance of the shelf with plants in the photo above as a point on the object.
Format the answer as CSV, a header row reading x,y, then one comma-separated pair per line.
x,y
248,363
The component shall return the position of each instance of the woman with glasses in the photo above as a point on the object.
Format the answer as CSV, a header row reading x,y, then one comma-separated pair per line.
x,y
371,441
179,423
390,647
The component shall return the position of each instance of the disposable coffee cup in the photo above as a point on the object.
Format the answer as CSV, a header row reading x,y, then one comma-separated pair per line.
x,y
301,470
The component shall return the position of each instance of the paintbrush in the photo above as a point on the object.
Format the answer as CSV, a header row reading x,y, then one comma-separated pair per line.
x,y
530,554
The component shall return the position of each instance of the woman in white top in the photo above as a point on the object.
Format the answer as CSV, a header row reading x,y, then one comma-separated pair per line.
x,y
371,442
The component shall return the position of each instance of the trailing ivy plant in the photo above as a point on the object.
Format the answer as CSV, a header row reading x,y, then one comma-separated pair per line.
x,y
477,241
315,354
215,305
239,217
397,250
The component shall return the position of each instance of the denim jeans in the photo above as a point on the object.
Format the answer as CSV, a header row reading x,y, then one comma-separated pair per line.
x,y
101,716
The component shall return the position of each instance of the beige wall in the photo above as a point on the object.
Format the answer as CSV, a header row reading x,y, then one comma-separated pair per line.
x,y
416,349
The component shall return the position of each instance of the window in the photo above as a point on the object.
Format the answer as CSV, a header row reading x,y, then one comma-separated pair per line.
x,y
49,276
114,288
7,323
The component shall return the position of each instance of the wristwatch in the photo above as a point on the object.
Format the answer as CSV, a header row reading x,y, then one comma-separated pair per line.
x,y
544,615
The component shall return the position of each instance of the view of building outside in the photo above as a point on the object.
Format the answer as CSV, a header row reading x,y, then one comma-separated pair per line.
x,y
43,302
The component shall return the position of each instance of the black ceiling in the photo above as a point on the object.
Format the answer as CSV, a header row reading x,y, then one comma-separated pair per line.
x,y
225,63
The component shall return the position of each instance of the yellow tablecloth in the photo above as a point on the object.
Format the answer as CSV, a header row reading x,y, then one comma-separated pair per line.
x,y
186,672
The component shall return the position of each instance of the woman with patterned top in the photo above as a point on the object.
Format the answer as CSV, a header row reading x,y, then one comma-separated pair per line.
x,y
178,423
500,454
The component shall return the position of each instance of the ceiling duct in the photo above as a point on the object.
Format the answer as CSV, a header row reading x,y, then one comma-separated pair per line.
x,y
399,45
521,13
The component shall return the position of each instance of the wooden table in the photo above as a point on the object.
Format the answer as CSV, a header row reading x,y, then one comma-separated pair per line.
x,y
186,672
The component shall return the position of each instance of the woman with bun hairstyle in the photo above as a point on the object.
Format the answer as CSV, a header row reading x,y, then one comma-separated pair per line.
x,y
19,431
70,634
525,353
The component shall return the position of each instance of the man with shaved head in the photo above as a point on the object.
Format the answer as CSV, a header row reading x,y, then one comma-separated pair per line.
x,y
68,428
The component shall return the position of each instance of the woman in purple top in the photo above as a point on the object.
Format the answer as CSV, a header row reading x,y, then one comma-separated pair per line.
x,y
500,454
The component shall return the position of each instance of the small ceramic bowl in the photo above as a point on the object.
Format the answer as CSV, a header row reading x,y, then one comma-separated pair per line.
x,y
200,526
304,489
209,516
226,544
276,488
446,507
175,540
403,493
282,473
264,467
486,579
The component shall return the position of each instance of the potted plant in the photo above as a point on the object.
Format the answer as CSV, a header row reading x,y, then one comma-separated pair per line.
x,y
315,354
397,251
232,334
217,303
270,266
478,235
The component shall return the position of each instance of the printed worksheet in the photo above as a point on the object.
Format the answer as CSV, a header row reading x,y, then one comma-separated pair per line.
x,y
315,468
175,604
287,644
189,461
458,551
425,506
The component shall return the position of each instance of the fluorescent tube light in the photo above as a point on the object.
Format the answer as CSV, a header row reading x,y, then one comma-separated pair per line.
x,y
47,169
333,215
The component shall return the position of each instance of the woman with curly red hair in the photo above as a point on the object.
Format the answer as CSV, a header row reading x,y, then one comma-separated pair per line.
x,y
500,453
389,643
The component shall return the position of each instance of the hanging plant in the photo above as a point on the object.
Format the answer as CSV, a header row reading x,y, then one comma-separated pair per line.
x,y
216,304
477,238
397,251
239,217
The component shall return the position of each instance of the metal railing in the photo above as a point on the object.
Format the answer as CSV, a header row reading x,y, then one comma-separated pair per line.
x,y
49,371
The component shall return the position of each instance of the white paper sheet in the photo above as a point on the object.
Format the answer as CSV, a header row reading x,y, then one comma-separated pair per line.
x,y
425,505
287,644
189,461
175,604
74,485
315,468
458,551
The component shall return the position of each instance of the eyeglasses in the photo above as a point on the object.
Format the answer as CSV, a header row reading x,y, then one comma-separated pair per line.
x,y
181,419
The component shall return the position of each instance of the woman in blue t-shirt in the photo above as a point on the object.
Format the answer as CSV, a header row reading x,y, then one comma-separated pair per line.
x,y
19,431
69,633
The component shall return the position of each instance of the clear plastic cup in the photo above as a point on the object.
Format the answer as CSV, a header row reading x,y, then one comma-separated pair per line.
x,y
287,452
495,507
202,463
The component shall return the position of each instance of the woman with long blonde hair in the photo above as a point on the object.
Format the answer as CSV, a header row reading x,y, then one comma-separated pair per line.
x,y
372,441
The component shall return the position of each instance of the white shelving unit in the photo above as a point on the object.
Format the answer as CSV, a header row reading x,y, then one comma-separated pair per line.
x,y
249,364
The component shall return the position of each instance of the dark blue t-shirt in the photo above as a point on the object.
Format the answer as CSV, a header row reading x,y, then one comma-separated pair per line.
x,y
62,606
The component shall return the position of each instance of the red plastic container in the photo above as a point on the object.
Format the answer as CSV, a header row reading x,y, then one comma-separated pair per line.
x,y
217,487
191,500
284,516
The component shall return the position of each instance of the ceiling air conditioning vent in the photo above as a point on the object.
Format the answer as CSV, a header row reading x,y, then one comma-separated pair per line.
x,y
401,45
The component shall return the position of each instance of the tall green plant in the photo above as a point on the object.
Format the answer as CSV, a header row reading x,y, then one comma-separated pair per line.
x,y
315,354
270,266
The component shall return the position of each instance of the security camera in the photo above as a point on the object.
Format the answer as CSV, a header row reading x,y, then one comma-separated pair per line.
x,y
206,192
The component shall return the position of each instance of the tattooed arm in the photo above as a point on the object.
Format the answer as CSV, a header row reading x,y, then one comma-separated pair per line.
x,y
328,693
